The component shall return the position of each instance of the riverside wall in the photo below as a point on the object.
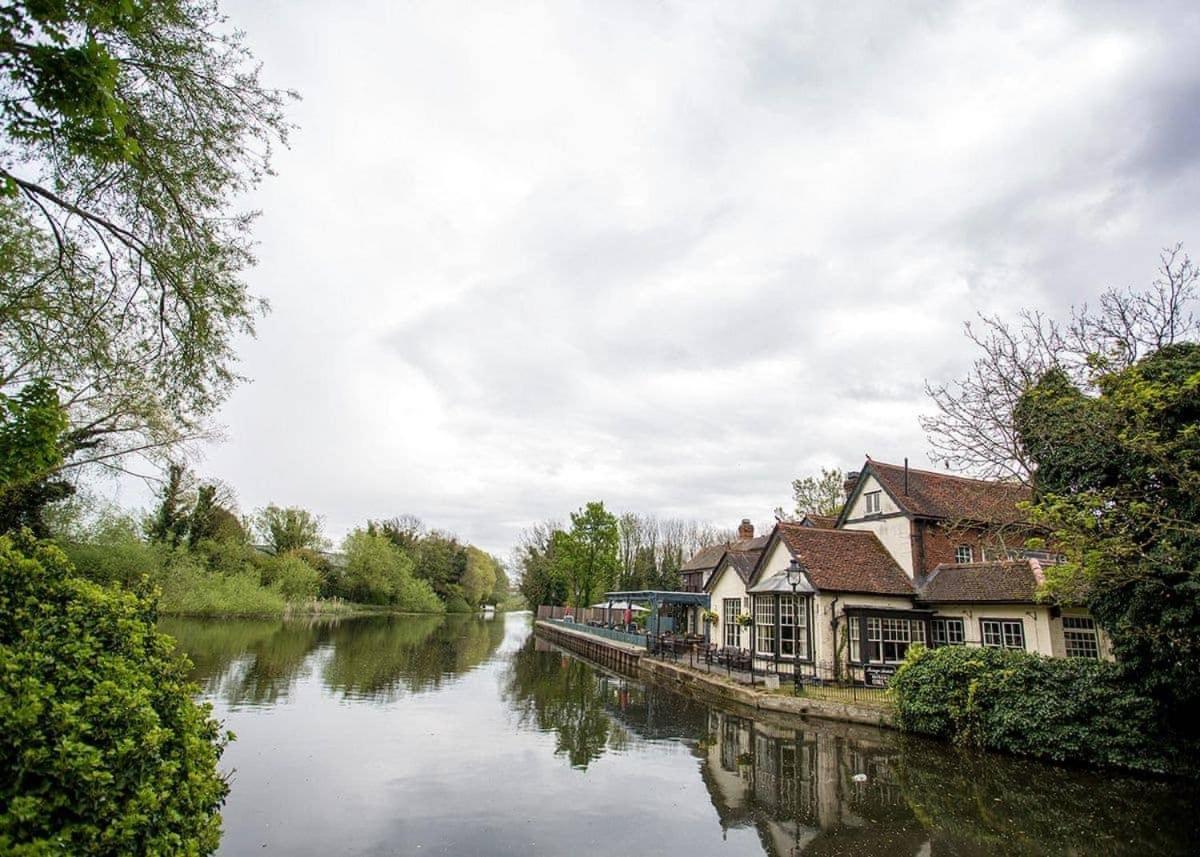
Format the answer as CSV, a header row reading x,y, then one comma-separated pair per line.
x,y
709,687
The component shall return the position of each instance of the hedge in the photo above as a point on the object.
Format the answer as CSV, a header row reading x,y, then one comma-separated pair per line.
x,y
1058,709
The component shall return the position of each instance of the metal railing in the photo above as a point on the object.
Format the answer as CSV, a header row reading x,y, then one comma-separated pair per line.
x,y
608,633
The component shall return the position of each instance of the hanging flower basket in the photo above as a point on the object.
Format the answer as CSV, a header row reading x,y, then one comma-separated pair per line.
x,y
711,617
744,620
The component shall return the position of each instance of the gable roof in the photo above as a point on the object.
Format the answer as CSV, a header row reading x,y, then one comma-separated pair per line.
x,y
843,560
742,557
928,494
821,522
1007,581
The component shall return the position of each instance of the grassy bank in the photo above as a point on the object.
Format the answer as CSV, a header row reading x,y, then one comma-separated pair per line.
x,y
232,578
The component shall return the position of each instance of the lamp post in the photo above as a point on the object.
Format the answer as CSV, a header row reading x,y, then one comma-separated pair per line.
x,y
795,574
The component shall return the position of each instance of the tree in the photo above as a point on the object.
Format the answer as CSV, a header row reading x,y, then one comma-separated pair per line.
x,y
479,578
588,553
211,519
127,130
819,495
289,529
377,572
31,442
1117,481
441,561
170,522
404,531
102,748
972,425
535,559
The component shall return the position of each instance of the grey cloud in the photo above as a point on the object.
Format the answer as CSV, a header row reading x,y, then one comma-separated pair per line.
x,y
675,256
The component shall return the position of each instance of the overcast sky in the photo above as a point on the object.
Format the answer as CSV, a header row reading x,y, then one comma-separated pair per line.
x,y
672,255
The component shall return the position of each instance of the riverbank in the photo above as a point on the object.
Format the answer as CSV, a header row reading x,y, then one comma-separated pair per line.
x,y
708,687
313,608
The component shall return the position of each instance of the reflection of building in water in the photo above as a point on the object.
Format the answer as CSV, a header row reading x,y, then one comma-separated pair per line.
x,y
808,792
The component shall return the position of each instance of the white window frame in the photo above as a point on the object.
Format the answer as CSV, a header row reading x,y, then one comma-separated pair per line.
x,y
873,501
1002,633
888,638
1080,637
947,631
764,625
793,627
964,550
732,608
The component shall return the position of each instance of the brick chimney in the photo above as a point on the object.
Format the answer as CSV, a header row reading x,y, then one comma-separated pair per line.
x,y
851,481
745,530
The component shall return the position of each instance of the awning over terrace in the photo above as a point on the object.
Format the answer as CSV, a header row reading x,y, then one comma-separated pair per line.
x,y
661,596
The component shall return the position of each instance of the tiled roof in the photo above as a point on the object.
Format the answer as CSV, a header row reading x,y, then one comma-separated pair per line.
x,y
743,562
845,560
821,522
944,495
706,559
1007,581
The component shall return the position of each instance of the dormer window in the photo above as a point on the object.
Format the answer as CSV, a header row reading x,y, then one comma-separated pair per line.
x,y
872,501
964,553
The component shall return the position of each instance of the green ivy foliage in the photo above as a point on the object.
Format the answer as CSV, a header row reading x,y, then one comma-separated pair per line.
x,y
102,749
1058,709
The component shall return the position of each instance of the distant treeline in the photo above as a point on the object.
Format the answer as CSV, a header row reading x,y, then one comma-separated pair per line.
x,y
600,551
206,558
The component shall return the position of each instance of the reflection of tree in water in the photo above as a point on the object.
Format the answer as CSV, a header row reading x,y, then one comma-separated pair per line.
x,y
831,789
590,710
256,662
557,693
246,661
381,657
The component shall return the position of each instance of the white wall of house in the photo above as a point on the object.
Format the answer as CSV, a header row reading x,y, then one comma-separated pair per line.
x,y
895,532
1058,644
778,559
1035,618
825,605
729,585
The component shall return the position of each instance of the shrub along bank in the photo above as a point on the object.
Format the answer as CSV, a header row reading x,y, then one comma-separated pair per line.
x,y
226,578
102,749
1057,709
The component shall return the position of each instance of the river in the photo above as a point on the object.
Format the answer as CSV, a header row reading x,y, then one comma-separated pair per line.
x,y
459,735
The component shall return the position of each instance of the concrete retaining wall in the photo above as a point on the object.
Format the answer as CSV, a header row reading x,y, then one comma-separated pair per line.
x,y
706,686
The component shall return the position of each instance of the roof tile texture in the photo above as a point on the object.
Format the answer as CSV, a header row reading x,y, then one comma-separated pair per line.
x,y
944,495
1010,581
845,560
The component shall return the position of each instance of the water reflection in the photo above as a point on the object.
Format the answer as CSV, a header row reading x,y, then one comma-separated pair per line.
x,y
458,735
831,788
590,710
257,663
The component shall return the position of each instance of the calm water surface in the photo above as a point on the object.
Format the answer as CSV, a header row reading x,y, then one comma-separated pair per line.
x,y
466,736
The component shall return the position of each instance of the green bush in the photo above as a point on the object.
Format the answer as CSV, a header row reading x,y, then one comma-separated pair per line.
x,y
102,749
1060,709
292,577
115,553
377,572
188,588
457,604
